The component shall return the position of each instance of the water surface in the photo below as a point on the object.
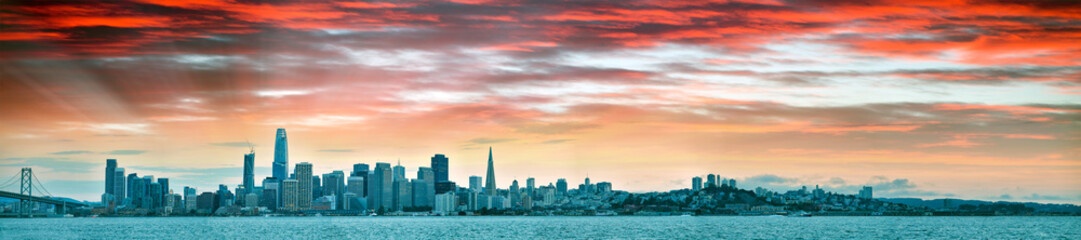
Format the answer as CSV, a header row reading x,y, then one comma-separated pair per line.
x,y
636,227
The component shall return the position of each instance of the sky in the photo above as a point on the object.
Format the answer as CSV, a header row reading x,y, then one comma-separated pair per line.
x,y
925,99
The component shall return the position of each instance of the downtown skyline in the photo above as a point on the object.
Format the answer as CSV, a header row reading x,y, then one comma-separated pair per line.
x,y
929,99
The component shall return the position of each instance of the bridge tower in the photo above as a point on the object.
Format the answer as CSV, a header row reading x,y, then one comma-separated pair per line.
x,y
25,187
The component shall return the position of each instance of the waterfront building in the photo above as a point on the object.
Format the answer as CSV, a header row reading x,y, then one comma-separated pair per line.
x,y
130,182
382,187
303,172
205,202
446,203
489,185
110,171
356,185
118,186
421,197
271,185
427,176
334,184
403,195
290,195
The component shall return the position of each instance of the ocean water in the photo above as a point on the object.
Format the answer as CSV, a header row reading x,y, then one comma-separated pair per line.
x,y
498,227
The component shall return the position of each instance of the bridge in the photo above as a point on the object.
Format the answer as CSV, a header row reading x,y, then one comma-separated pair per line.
x,y
27,182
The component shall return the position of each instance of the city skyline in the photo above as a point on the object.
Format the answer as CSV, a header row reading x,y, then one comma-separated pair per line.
x,y
928,99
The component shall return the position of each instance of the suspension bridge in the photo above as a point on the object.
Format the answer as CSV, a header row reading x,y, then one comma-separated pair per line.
x,y
29,185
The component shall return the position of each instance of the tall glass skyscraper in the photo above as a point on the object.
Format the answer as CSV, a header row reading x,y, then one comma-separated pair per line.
x,y
489,185
110,170
439,166
249,171
281,156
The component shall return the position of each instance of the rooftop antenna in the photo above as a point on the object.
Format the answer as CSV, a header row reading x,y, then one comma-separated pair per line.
x,y
250,146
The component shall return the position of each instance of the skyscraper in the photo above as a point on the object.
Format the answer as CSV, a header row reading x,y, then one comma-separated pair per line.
x,y
110,170
399,172
249,171
281,156
427,176
384,184
474,183
271,191
118,185
530,184
561,186
304,185
164,186
361,170
334,184
290,195
439,166
131,188
696,183
489,185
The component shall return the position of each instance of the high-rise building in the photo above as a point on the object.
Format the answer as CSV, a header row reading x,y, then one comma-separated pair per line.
x,y
118,185
164,185
355,185
384,187
272,184
420,193
865,193
732,183
399,172
475,183
696,183
110,170
489,185
446,203
530,185
711,181
249,171
334,184
403,194
439,166
604,187
561,186
514,186
290,195
205,202
131,189
317,187
427,176
361,170
304,185
281,156
155,196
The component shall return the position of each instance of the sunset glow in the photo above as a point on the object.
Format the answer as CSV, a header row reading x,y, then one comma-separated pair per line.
x,y
925,99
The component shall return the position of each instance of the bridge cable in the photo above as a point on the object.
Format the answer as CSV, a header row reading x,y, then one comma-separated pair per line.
x,y
40,186
10,181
